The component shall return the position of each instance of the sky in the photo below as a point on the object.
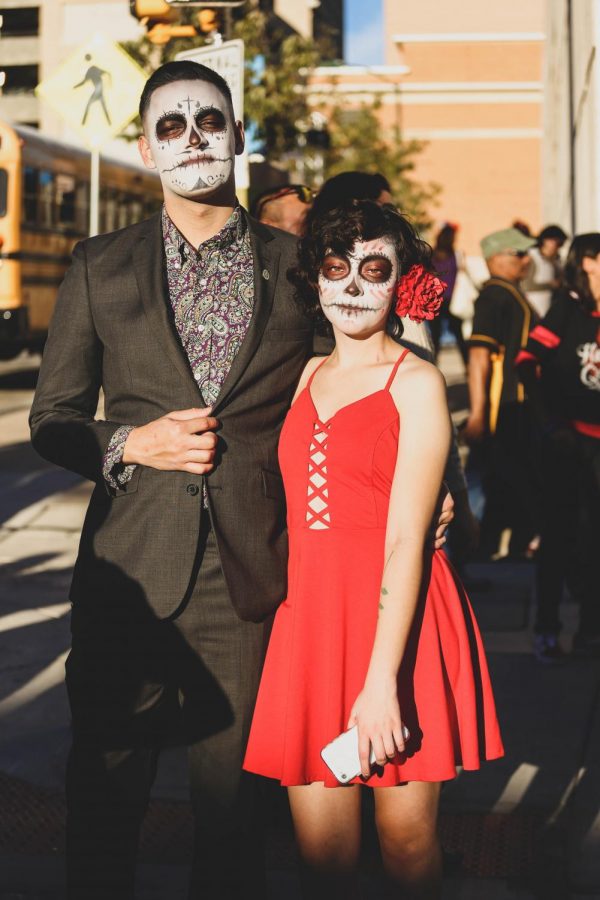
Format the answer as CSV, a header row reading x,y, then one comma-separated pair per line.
x,y
363,32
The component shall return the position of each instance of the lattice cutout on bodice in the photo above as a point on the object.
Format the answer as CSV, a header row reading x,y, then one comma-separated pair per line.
x,y
317,513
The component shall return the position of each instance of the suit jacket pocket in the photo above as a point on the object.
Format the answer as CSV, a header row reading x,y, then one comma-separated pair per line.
x,y
273,485
129,488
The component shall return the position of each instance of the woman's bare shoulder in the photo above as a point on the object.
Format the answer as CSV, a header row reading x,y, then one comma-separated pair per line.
x,y
418,382
308,370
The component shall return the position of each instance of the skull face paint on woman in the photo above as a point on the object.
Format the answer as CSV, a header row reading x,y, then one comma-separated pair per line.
x,y
191,138
356,291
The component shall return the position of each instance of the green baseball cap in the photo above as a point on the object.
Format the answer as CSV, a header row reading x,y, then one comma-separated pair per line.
x,y
507,239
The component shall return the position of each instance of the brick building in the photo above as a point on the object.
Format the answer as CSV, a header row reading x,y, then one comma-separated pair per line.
x,y
467,79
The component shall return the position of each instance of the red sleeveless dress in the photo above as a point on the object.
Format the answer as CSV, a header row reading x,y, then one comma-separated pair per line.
x,y
338,476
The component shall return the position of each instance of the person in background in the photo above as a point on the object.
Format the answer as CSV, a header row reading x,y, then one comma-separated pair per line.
x,y
544,273
284,207
360,185
523,227
446,262
499,420
564,351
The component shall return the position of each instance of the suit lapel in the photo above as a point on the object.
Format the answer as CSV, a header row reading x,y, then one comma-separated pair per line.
x,y
266,270
149,268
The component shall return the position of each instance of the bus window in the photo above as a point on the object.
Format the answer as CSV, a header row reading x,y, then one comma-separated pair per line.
x,y
46,198
82,209
122,211
108,210
30,184
65,201
3,192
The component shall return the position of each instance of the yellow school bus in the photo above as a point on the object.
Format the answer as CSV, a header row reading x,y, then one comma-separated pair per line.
x,y
44,211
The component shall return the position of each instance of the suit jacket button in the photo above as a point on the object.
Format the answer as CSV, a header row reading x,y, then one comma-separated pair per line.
x,y
193,489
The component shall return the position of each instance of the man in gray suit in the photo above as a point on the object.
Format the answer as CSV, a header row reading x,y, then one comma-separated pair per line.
x,y
187,323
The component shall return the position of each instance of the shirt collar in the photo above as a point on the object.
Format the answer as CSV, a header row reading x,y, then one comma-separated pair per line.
x,y
176,245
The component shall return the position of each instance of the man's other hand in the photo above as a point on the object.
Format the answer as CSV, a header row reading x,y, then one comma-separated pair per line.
x,y
446,507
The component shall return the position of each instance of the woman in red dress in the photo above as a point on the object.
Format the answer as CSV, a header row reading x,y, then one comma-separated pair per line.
x,y
375,631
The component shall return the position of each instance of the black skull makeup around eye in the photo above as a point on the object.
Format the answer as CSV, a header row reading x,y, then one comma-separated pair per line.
x,y
170,126
376,268
210,119
334,268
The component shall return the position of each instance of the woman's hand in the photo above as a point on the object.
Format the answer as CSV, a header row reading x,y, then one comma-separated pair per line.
x,y
376,712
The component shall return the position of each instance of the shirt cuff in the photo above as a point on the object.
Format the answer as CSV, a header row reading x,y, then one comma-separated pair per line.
x,y
114,472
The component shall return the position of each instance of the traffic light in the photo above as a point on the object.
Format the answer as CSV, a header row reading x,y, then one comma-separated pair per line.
x,y
208,21
152,11
160,18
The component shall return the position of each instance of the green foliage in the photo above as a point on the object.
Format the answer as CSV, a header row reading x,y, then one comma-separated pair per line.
x,y
357,144
275,99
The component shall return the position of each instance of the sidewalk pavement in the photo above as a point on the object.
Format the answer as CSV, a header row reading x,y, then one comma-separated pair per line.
x,y
526,826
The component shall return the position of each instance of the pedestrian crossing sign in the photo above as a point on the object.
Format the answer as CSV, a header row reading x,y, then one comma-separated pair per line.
x,y
96,90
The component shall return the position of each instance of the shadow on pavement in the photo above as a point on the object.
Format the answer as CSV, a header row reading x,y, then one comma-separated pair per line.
x,y
25,479
24,380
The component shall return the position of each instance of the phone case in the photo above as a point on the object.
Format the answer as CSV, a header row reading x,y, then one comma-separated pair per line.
x,y
341,755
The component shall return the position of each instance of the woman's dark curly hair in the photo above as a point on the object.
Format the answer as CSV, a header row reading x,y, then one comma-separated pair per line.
x,y
336,231
576,279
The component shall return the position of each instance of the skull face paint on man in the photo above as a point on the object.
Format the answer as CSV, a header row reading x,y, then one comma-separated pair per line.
x,y
356,291
192,138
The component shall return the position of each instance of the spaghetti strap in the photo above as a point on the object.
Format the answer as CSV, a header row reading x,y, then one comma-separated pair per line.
x,y
400,359
314,372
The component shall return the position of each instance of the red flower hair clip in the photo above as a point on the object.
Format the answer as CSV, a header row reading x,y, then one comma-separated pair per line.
x,y
420,294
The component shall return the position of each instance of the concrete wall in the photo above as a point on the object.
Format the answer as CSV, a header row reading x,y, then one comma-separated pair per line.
x,y
579,209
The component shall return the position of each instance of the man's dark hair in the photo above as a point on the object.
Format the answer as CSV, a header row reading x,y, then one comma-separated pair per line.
x,y
576,279
551,232
182,70
336,231
346,185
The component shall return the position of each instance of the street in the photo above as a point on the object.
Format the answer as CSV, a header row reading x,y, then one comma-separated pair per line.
x,y
525,826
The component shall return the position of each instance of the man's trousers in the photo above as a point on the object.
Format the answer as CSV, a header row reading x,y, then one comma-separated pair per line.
x,y
137,684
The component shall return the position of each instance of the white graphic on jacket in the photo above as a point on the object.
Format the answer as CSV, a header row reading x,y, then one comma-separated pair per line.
x,y
589,357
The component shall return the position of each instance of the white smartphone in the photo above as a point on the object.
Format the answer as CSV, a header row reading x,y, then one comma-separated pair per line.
x,y
341,755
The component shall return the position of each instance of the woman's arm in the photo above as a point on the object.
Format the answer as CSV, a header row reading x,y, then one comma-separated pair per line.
x,y
420,395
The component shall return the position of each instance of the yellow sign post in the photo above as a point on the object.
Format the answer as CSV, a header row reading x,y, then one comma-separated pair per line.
x,y
96,91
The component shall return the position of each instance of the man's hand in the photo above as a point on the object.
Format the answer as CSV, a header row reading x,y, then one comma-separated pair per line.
x,y
473,431
465,531
445,517
181,441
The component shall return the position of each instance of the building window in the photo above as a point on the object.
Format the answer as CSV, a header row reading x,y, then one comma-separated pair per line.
x,y
20,79
23,22
65,200
30,194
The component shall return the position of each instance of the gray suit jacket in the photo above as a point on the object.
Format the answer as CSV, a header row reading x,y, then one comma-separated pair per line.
x,y
112,329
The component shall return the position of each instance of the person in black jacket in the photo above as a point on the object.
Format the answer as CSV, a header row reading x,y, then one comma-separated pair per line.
x,y
560,368
499,427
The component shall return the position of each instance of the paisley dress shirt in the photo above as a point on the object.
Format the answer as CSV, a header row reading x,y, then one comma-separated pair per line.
x,y
211,294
